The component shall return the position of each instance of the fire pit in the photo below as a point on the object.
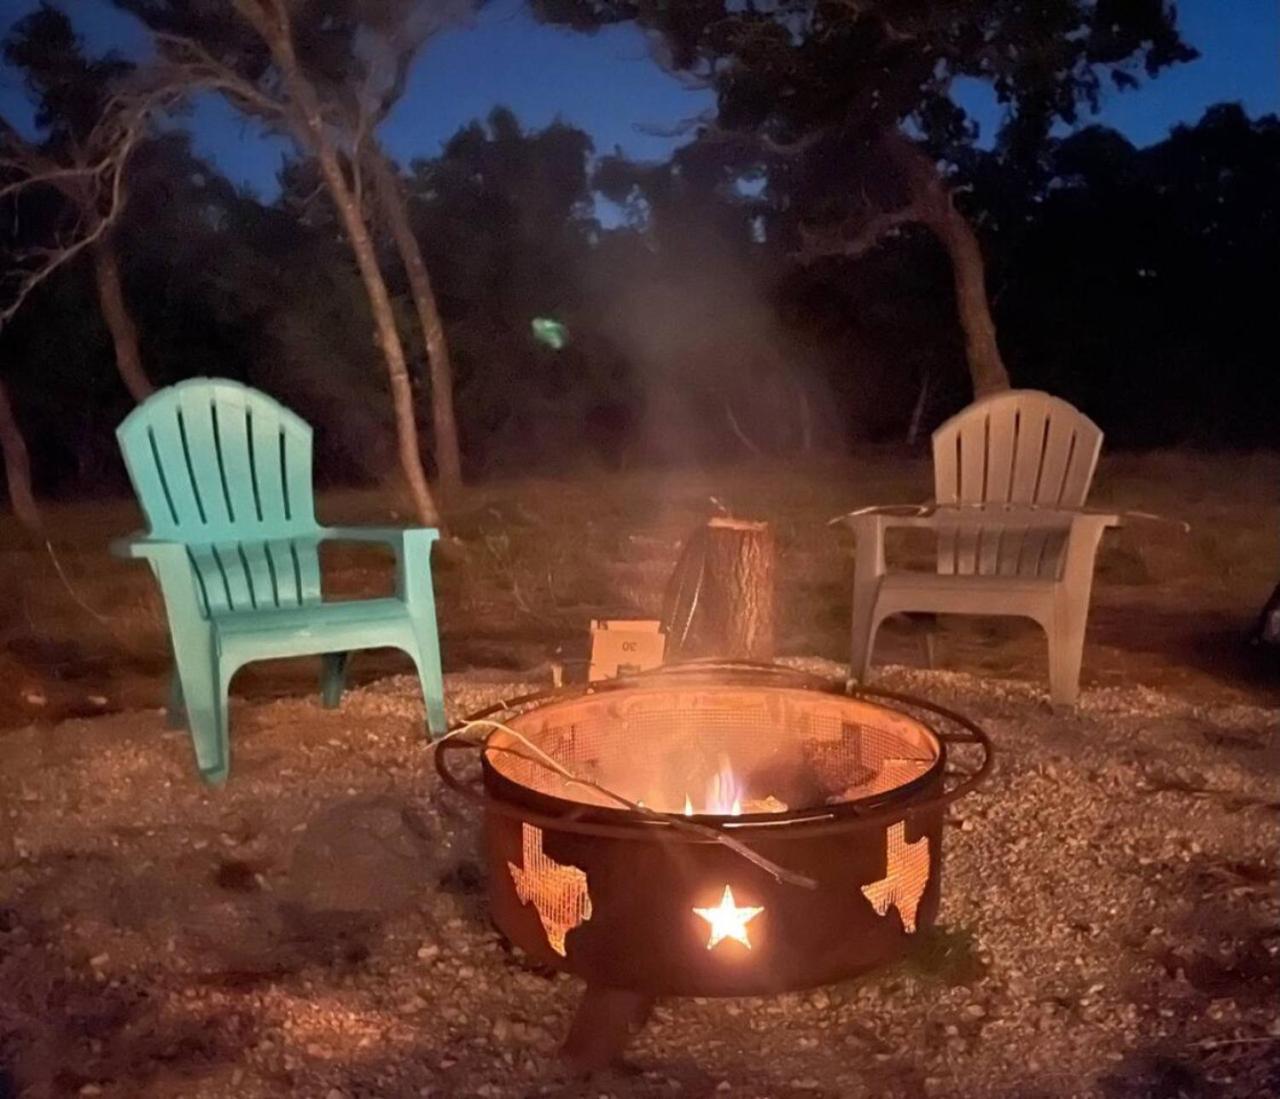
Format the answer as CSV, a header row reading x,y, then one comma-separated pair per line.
x,y
713,830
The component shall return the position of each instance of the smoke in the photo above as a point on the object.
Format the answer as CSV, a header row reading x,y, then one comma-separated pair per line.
x,y
720,374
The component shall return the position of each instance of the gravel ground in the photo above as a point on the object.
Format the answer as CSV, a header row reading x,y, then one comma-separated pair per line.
x,y
1109,924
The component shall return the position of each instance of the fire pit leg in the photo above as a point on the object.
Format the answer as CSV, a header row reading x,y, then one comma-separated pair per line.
x,y
602,1026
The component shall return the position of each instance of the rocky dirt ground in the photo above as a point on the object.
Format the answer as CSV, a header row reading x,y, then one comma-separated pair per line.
x,y
1110,924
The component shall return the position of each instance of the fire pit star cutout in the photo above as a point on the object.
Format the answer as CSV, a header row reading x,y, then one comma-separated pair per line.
x,y
558,892
728,921
906,875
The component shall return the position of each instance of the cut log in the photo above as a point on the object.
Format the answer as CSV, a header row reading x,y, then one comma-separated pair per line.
x,y
733,615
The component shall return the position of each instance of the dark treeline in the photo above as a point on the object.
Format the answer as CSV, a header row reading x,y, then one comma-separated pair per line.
x,y
1135,282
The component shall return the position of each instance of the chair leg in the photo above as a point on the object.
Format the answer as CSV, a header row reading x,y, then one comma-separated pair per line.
x,y
863,632
175,711
333,677
929,642
206,707
1066,652
202,687
430,674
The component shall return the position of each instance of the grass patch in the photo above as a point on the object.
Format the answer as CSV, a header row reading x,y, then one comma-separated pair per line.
x,y
947,955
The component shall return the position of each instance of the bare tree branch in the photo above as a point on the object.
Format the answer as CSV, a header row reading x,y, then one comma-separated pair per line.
x,y
53,259
870,232
191,65
94,184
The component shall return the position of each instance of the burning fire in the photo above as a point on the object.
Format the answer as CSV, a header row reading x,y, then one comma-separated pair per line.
x,y
724,793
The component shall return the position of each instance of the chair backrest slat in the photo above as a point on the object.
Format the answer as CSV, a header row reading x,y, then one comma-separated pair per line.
x,y
197,420
235,450
227,470
213,460
163,449
1016,447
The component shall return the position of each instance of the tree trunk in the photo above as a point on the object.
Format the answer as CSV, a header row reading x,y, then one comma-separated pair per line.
x,y
317,138
982,352
385,327
124,335
17,466
734,613
444,423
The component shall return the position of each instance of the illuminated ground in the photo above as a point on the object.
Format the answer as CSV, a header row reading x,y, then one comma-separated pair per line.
x,y
1109,924
318,929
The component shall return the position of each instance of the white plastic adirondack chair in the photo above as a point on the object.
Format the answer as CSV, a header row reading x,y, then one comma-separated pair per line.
x,y
1011,473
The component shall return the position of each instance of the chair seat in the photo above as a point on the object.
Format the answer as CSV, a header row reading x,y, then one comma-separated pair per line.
x,y
315,628
952,594
942,582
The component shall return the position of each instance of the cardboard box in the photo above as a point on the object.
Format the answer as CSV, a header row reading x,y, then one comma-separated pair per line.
x,y
620,646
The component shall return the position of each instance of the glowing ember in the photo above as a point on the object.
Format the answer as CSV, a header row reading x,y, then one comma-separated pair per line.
x,y
728,921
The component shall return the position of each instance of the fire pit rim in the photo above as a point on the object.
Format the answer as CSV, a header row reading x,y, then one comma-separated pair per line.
x,y
898,803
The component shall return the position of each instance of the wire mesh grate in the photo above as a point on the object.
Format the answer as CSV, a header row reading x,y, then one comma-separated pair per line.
x,y
717,749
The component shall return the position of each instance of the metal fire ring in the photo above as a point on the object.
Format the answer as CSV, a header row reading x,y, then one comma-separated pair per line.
x,y
622,823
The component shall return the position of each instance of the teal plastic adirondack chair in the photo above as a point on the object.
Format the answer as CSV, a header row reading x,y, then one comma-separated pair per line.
x,y
223,473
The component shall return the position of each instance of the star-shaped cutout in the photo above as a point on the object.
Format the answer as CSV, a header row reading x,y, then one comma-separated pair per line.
x,y
906,875
728,921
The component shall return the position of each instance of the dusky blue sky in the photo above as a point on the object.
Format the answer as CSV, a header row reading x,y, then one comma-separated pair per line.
x,y
607,84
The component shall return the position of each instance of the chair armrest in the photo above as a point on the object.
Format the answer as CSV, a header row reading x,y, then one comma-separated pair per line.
x,y
1084,530
947,517
390,536
172,568
1083,538
882,521
143,546
868,543
412,547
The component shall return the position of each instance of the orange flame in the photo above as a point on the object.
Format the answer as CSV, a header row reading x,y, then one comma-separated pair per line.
x,y
724,793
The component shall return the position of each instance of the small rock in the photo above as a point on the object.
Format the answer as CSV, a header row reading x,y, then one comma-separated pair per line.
x,y
91,1089
99,960
335,1093
428,951
724,1085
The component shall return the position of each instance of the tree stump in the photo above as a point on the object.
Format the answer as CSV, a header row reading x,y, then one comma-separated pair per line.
x,y
732,605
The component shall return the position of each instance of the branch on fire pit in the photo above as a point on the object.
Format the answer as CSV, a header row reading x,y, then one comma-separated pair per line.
x,y
680,823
